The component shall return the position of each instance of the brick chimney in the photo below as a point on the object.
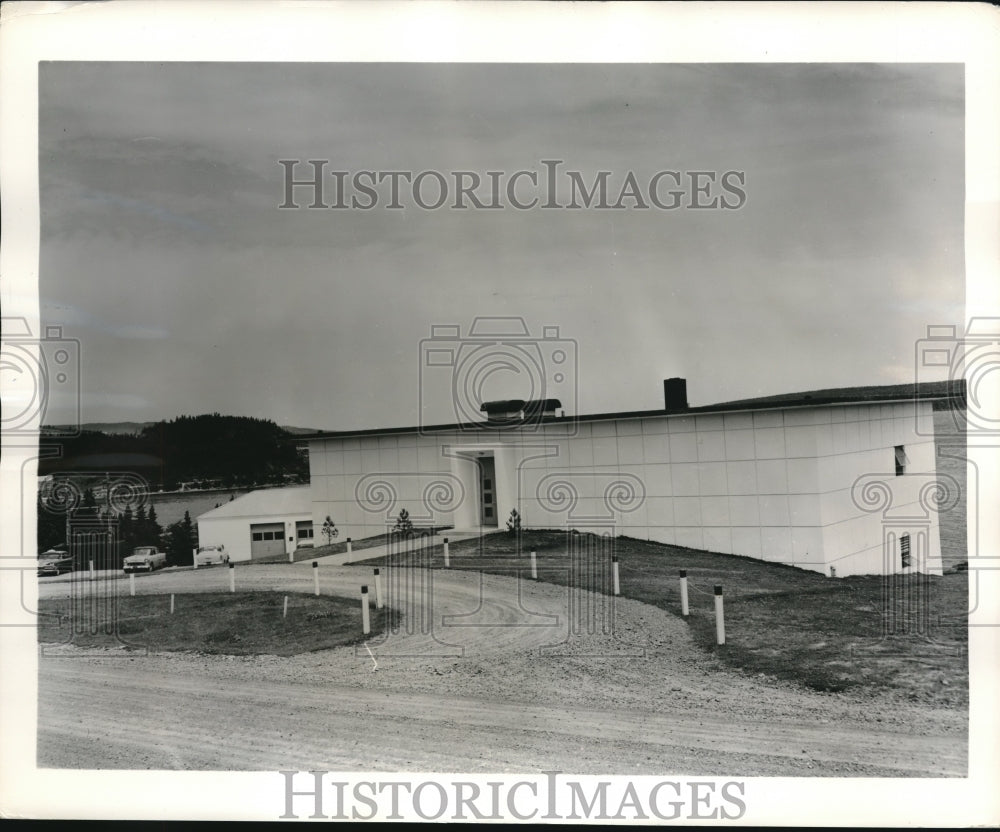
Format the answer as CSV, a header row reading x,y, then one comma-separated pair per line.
x,y
675,396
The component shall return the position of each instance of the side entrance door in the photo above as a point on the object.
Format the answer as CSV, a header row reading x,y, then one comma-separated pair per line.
x,y
487,488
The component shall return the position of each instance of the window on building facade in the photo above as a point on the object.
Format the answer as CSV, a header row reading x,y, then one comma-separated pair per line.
x,y
904,551
265,535
901,460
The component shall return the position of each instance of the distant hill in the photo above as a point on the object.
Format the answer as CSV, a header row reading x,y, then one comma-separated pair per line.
x,y
199,451
123,428
135,428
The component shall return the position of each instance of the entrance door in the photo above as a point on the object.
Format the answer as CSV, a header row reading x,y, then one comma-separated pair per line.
x,y
487,488
267,539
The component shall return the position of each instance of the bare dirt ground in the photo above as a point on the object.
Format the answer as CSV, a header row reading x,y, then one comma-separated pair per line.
x,y
490,680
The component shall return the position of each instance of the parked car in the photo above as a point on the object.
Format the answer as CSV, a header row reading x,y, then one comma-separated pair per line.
x,y
55,562
207,555
145,559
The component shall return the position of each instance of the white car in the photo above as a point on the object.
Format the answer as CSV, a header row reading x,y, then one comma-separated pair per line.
x,y
208,555
145,559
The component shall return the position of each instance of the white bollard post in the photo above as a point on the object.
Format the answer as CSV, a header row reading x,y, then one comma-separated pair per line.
x,y
614,574
720,624
447,557
315,578
534,565
131,584
91,570
350,548
684,593
194,557
284,608
291,556
232,577
378,589
366,626
171,603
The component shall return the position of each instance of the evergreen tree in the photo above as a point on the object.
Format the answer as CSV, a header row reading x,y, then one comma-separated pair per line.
x,y
51,528
181,538
154,529
126,530
147,530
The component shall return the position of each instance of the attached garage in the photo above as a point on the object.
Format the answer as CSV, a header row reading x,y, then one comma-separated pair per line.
x,y
267,540
264,524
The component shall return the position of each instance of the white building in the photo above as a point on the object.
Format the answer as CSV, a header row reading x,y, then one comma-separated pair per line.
x,y
839,487
261,524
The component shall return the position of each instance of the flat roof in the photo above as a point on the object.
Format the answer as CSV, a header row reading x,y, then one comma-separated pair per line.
x,y
834,397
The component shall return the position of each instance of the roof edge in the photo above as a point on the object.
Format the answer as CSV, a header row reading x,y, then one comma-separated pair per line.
x,y
733,407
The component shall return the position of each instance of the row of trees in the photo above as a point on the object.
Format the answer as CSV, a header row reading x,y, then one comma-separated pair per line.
x,y
139,529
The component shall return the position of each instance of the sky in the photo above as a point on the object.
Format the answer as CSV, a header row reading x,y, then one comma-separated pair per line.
x,y
165,255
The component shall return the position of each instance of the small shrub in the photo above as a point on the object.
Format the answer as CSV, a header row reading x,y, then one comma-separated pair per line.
x,y
514,522
330,530
404,525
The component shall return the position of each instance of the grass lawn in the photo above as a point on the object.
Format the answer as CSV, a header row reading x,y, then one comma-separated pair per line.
x,y
860,634
238,624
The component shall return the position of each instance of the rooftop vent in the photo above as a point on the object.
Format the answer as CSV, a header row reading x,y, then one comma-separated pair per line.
x,y
503,411
541,408
516,410
675,395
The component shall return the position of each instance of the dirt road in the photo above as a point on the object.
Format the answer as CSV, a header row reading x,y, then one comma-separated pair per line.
x,y
491,678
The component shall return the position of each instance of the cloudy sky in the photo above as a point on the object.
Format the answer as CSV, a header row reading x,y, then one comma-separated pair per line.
x,y
165,253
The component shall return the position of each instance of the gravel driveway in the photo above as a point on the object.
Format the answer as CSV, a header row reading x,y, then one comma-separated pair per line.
x,y
490,678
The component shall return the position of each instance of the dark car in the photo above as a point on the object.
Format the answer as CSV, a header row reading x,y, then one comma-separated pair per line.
x,y
55,562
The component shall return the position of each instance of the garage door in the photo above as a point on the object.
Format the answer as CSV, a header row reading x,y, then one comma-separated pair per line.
x,y
267,539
